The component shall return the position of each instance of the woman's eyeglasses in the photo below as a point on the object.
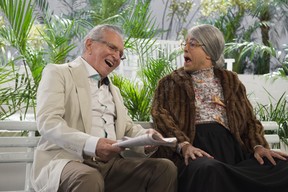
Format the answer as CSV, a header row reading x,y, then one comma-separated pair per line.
x,y
192,44
112,47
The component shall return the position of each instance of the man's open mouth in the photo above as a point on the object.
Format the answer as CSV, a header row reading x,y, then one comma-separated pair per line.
x,y
109,63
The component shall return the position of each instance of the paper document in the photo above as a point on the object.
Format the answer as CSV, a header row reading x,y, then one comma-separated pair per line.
x,y
147,139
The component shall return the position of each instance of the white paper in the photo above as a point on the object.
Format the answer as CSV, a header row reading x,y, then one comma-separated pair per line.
x,y
147,139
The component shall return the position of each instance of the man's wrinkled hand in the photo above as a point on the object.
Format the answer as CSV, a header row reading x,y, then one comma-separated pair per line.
x,y
153,131
105,151
150,149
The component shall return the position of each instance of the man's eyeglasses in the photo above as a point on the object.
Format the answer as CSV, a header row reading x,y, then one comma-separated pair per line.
x,y
191,44
112,47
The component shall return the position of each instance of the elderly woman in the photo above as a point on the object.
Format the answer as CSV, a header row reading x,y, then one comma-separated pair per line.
x,y
221,143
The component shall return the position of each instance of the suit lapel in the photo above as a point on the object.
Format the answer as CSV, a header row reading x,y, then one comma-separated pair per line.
x,y
79,74
120,112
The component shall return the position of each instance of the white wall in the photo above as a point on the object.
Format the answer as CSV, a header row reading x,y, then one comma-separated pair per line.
x,y
259,87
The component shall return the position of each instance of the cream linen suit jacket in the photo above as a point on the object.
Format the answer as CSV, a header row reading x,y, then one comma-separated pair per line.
x,y
64,121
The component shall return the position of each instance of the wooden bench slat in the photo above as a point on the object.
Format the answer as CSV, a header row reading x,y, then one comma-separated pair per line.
x,y
273,138
18,125
16,157
270,125
18,141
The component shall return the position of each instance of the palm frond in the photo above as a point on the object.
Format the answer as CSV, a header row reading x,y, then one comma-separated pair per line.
x,y
20,17
140,28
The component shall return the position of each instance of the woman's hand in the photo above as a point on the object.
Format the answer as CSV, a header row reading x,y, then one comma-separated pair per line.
x,y
188,151
260,152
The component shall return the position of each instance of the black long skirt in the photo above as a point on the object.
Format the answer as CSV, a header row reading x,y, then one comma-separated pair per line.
x,y
231,170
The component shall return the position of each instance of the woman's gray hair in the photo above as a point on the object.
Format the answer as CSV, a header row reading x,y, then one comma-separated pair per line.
x,y
97,32
213,41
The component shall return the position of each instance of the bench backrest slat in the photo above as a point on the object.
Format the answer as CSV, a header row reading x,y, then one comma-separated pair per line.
x,y
19,141
18,125
16,157
270,125
271,138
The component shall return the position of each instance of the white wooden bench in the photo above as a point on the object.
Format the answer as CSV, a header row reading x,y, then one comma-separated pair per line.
x,y
24,146
273,138
30,141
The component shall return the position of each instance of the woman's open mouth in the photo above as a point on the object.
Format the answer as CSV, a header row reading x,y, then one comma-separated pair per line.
x,y
187,59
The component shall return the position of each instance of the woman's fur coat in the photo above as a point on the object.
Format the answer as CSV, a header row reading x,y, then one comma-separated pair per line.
x,y
173,111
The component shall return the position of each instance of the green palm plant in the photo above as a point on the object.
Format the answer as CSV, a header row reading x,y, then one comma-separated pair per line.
x,y
138,94
230,23
5,92
135,96
276,110
133,16
37,37
270,12
155,69
19,20
32,45
16,92
105,10
140,29
254,51
268,16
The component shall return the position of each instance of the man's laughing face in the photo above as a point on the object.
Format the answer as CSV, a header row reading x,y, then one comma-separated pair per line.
x,y
105,54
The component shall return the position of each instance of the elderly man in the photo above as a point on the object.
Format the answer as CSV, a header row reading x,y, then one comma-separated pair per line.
x,y
80,114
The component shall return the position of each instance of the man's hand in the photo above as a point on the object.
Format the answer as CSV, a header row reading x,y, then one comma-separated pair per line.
x,y
153,131
105,151
189,151
260,152
151,148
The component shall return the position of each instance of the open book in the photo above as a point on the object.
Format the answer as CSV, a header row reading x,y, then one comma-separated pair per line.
x,y
146,139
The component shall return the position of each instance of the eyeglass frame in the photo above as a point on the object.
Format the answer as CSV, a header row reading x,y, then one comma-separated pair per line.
x,y
191,44
112,47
